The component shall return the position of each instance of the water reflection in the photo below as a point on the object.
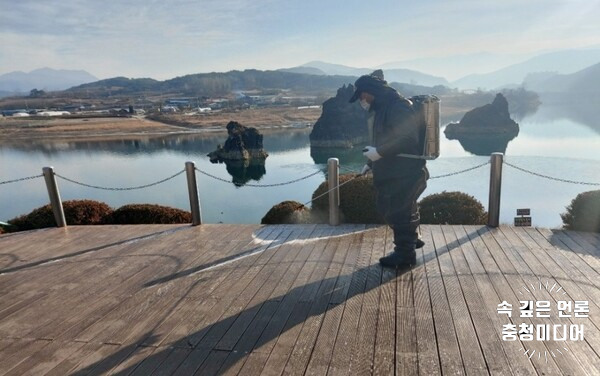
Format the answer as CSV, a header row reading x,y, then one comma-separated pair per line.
x,y
484,144
583,111
244,171
346,156
202,143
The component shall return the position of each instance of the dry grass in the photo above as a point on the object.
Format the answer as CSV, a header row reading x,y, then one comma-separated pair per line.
x,y
19,129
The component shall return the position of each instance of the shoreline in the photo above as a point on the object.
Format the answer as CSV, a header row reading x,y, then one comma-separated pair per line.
x,y
23,130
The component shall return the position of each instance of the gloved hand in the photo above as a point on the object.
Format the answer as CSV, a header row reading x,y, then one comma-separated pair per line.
x,y
371,153
365,170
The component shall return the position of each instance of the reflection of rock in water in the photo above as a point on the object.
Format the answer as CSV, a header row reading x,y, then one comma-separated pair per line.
x,y
346,156
244,171
485,145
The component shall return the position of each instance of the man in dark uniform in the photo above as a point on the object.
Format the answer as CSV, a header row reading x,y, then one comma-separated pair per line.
x,y
398,180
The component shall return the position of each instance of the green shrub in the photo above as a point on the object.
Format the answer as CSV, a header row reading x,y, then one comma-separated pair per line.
x,y
452,208
583,214
77,212
357,200
287,212
148,214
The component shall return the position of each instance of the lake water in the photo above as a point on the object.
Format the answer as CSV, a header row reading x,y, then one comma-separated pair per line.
x,y
558,142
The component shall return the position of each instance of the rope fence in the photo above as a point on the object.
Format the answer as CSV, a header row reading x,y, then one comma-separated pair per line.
x,y
120,189
496,161
261,185
547,176
21,179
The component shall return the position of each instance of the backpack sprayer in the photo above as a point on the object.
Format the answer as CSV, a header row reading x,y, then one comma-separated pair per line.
x,y
427,111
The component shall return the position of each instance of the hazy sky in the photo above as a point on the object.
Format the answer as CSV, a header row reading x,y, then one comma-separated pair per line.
x,y
167,38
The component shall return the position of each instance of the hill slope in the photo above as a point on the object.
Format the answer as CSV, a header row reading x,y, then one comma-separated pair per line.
x,y
43,79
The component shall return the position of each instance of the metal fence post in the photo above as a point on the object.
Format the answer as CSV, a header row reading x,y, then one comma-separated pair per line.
x,y
190,171
495,187
54,195
333,183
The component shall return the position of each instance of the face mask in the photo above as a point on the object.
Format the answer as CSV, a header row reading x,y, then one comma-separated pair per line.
x,y
365,105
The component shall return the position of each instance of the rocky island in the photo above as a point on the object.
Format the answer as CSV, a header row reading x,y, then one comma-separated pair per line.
x,y
341,124
242,144
486,129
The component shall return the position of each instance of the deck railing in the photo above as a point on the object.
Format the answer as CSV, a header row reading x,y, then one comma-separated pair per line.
x,y
333,168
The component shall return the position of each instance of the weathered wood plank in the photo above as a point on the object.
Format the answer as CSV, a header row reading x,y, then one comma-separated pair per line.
x,y
322,351
351,284
287,299
363,350
459,289
485,274
448,344
427,345
508,282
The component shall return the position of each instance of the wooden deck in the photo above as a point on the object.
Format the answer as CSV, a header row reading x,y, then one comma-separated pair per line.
x,y
272,300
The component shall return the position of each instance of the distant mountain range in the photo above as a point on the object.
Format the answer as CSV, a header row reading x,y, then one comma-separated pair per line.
x,y
391,75
561,62
567,71
584,83
46,79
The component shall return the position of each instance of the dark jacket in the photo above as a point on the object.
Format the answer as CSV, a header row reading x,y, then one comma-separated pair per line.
x,y
395,131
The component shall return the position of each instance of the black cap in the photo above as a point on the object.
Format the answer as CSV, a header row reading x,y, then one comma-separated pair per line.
x,y
369,83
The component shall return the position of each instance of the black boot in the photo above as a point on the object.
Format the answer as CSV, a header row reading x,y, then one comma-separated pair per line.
x,y
399,260
405,241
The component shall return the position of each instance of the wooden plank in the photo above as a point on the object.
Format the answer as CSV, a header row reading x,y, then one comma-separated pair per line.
x,y
508,290
129,364
19,352
363,350
104,359
345,344
296,306
213,362
344,259
459,287
237,357
262,333
427,344
69,365
83,248
255,364
293,310
542,265
200,303
258,291
152,362
384,359
581,351
482,301
238,296
279,336
317,294
491,286
448,344
192,362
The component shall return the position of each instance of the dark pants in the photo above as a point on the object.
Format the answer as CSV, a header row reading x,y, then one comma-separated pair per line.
x,y
397,203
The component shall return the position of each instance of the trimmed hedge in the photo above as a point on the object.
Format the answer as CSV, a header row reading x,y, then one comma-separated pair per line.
x,y
357,201
452,208
77,212
89,212
148,214
287,212
583,213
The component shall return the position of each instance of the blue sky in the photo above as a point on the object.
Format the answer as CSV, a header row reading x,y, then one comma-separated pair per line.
x,y
168,38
